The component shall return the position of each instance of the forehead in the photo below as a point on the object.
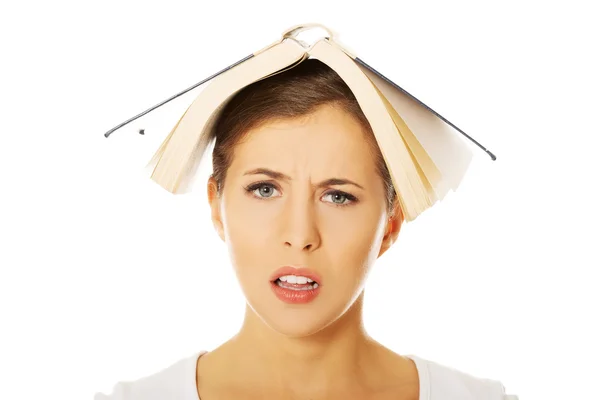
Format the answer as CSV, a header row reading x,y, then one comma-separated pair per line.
x,y
329,141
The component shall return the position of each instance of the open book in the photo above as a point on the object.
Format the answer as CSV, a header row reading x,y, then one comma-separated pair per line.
x,y
422,150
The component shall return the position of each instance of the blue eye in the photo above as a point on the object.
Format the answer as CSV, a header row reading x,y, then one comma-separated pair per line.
x,y
262,186
264,190
344,196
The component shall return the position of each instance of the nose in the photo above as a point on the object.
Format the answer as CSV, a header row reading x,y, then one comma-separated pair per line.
x,y
300,226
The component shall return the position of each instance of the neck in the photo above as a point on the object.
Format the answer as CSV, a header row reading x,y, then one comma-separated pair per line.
x,y
330,355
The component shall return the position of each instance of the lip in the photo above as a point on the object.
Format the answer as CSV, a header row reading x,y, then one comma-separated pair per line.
x,y
290,296
289,270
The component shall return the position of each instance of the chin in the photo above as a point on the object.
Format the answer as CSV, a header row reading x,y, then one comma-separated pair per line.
x,y
298,321
294,327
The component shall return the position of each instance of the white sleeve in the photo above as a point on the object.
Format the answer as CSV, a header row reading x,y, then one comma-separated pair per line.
x,y
120,391
508,396
176,382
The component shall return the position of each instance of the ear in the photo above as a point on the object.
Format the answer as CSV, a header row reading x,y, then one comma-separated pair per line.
x,y
215,206
392,229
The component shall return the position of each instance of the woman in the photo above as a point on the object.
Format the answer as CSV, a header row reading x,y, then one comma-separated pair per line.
x,y
301,196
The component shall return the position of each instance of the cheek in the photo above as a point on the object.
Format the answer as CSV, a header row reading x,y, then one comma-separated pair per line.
x,y
351,237
248,224
352,247
246,234
351,259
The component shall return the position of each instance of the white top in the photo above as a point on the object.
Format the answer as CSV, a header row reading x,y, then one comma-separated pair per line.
x,y
437,382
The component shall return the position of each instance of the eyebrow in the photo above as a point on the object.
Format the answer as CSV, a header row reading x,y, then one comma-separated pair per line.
x,y
284,177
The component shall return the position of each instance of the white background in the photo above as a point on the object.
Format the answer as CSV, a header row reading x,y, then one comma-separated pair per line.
x,y
106,277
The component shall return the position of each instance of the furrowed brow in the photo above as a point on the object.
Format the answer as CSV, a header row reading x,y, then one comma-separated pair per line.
x,y
281,176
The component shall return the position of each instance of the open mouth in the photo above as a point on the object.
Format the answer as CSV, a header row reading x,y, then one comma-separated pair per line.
x,y
294,289
296,285
292,282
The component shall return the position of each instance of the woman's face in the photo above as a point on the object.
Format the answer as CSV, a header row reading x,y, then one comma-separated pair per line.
x,y
337,229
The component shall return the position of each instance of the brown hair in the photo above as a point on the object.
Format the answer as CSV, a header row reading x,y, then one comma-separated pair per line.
x,y
293,93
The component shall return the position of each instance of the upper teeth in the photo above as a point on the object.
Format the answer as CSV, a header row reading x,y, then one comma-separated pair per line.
x,y
295,279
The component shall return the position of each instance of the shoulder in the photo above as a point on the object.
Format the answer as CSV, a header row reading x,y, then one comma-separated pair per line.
x,y
441,382
175,382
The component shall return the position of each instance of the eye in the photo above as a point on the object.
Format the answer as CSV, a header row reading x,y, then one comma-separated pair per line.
x,y
341,198
264,189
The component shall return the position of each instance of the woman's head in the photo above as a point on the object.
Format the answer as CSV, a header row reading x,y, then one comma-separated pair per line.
x,y
294,93
305,125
